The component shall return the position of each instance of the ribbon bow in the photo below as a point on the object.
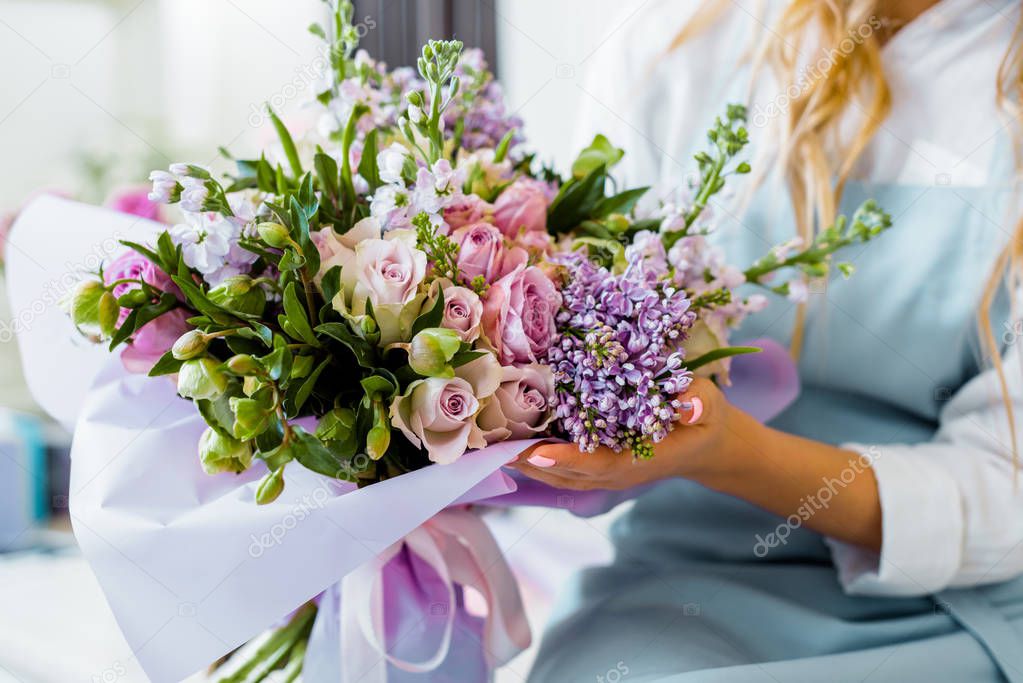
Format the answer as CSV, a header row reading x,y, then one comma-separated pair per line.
x,y
459,550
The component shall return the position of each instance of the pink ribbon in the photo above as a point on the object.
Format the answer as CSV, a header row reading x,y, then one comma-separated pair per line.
x,y
459,548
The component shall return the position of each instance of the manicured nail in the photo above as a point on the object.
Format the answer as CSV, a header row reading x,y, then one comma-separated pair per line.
x,y
541,461
696,405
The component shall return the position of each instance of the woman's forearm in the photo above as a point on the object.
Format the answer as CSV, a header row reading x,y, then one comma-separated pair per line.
x,y
831,490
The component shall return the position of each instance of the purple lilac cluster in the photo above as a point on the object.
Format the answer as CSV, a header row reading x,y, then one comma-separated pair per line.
x,y
617,359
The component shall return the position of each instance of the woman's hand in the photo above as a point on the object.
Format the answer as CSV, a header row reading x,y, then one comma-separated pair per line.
x,y
701,442
725,449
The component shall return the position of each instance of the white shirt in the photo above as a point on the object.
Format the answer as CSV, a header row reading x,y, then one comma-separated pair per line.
x,y
951,515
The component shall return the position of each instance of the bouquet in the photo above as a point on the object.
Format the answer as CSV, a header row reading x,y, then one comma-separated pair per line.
x,y
404,286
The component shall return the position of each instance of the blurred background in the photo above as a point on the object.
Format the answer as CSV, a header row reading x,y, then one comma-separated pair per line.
x,y
94,95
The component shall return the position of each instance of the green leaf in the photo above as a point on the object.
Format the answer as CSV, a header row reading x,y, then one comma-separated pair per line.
x,y
259,332
313,455
146,252
278,362
289,145
317,31
326,173
600,153
368,168
167,365
305,389
331,283
377,386
198,299
342,333
296,316
576,201
463,357
718,354
619,203
502,147
217,414
432,317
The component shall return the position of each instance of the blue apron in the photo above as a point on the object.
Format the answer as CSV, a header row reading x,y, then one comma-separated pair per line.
x,y
691,598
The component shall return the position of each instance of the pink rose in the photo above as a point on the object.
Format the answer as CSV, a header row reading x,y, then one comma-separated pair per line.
x,y
522,207
520,408
135,201
536,241
157,336
336,249
387,274
439,414
466,210
518,315
133,266
463,311
481,252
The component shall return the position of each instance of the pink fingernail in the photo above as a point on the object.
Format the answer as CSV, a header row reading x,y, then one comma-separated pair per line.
x,y
697,408
541,461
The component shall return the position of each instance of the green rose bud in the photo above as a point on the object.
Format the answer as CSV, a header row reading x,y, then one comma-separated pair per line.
x,y
189,345
274,234
201,378
239,293
85,303
219,453
271,487
431,352
244,365
379,437
108,311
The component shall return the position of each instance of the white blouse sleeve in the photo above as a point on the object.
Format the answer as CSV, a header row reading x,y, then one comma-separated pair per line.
x,y
952,511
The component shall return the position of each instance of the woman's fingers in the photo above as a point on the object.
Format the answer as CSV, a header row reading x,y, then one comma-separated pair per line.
x,y
553,478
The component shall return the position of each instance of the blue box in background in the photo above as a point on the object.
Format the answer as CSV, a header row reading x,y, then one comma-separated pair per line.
x,y
34,469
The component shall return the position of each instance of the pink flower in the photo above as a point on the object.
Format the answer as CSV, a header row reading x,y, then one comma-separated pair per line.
x,y
439,414
520,408
463,311
133,266
157,336
482,253
518,315
522,207
466,210
135,201
386,273
337,249
153,340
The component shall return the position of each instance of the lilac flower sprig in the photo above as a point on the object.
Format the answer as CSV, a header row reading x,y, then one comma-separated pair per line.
x,y
617,359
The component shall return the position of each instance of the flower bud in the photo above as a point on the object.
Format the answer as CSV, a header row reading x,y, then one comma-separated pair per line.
x,y
189,345
201,379
243,364
379,437
431,352
219,453
616,222
108,313
85,302
239,293
271,487
274,234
